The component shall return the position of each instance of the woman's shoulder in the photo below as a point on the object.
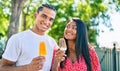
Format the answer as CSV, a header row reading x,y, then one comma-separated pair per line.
x,y
92,50
94,59
91,47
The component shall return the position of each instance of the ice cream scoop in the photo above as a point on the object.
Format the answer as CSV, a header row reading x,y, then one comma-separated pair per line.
x,y
62,44
42,49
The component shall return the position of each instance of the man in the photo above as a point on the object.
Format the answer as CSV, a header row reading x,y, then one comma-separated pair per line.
x,y
21,52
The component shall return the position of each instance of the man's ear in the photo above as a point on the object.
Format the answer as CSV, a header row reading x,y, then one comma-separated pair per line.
x,y
35,14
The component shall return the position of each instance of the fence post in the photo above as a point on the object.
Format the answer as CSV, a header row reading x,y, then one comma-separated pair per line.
x,y
114,57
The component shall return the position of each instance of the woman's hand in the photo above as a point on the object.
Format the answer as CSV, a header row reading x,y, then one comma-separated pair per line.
x,y
59,56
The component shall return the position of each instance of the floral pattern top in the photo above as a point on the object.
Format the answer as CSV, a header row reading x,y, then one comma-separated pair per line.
x,y
81,66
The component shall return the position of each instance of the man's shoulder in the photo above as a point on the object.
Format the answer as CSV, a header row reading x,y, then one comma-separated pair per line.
x,y
49,37
23,32
20,34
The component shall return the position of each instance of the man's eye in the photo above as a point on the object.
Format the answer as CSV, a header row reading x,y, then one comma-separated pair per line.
x,y
51,19
44,16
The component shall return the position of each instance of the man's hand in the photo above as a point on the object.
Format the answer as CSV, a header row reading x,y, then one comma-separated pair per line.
x,y
36,64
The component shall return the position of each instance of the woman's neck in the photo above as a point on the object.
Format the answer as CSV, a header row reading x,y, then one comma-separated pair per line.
x,y
71,44
71,51
72,57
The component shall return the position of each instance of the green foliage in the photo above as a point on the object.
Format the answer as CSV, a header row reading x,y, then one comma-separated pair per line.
x,y
87,10
28,11
4,17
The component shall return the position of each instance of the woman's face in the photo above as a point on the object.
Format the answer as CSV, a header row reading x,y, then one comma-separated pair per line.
x,y
70,30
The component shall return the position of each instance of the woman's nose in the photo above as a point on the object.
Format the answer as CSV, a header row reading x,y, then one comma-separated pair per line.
x,y
70,29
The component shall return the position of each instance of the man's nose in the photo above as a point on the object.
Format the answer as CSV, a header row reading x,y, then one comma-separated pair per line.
x,y
46,21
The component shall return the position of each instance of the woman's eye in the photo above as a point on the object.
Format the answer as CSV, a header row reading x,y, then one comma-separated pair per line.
x,y
68,26
74,28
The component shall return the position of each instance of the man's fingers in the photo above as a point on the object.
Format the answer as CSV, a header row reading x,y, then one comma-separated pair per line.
x,y
39,57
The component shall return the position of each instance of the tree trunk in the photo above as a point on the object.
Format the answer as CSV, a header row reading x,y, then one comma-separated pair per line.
x,y
17,6
24,21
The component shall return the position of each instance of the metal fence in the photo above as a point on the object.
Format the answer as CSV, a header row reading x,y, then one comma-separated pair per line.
x,y
109,59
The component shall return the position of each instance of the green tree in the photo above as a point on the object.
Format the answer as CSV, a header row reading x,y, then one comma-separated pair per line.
x,y
4,17
90,11
85,10
28,14
17,6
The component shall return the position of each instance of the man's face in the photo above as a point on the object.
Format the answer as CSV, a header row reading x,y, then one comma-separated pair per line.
x,y
44,19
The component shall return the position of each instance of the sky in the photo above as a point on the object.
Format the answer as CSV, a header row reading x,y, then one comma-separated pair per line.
x,y
107,38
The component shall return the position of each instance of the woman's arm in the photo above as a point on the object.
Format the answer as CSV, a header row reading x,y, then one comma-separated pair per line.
x,y
58,57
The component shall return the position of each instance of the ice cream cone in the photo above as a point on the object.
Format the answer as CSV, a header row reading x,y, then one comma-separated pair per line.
x,y
62,44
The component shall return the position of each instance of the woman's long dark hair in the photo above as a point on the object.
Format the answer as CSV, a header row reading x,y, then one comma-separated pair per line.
x,y
81,44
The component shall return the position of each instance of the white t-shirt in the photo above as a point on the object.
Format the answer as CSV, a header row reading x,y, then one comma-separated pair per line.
x,y
23,47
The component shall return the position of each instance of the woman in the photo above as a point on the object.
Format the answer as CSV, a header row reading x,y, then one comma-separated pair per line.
x,y
78,56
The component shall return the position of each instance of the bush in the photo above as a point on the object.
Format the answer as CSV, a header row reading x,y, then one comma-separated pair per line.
x,y
2,46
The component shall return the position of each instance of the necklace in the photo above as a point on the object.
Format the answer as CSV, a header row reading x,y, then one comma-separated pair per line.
x,y
72,59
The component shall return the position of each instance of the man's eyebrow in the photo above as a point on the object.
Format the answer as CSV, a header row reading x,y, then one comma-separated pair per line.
x,y
44,14
47,16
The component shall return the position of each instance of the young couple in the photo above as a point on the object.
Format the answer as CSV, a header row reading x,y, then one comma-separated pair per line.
x,y
21,52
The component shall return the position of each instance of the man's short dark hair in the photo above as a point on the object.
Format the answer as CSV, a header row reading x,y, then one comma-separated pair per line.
x,y
47,6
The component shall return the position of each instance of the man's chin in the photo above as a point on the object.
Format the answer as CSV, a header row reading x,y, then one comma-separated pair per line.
x,y
44,30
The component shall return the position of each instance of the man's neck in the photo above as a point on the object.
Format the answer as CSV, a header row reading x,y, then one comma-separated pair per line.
x,y
37,32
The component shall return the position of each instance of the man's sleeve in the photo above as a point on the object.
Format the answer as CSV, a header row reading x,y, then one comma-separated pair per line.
x,y
12,50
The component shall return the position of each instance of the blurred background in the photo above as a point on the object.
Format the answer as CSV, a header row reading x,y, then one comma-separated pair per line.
x,y
100,16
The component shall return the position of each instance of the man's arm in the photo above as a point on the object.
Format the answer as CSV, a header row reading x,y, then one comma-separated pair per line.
x,y
35,65
7,65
